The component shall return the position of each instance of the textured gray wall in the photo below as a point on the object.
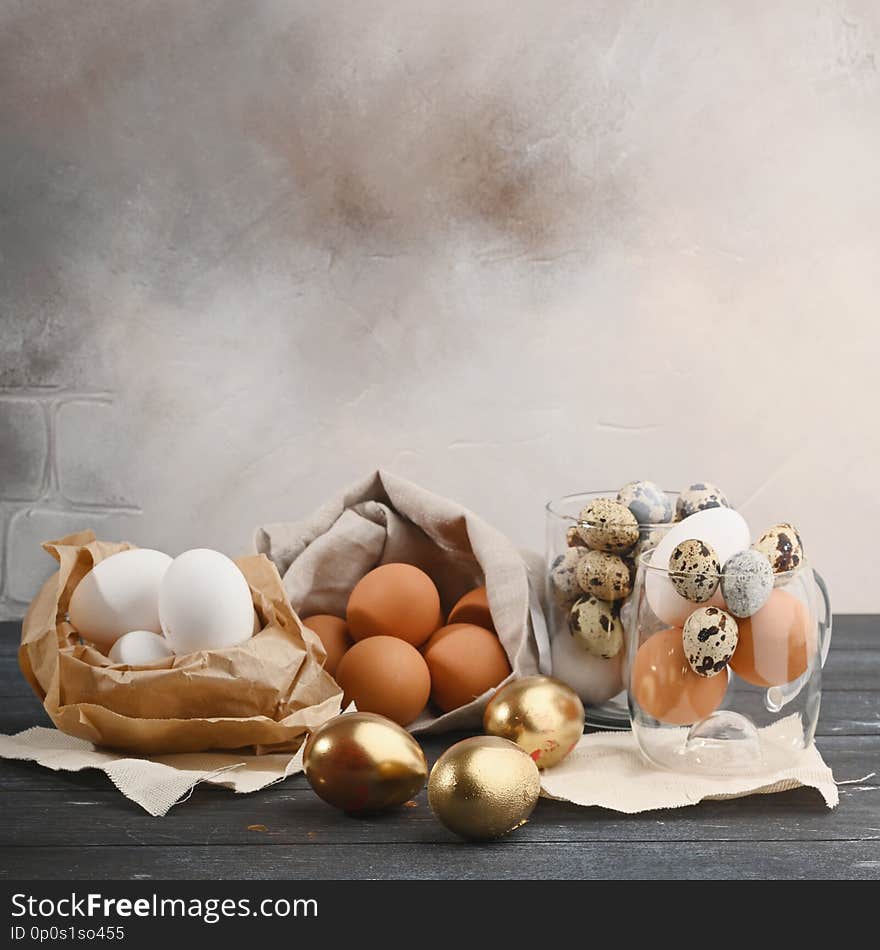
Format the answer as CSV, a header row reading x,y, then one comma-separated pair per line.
x,y
249,251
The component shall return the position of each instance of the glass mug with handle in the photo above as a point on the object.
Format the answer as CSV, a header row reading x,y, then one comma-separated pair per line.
x,y
755,709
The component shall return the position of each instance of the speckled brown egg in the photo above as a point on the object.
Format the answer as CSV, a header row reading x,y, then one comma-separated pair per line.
x,y
564,586
573,539
607,525
782,547
606,576
699,497
709,637
694,570
595,625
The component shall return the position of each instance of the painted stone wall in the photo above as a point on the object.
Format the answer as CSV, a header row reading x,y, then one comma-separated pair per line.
x,y
249,252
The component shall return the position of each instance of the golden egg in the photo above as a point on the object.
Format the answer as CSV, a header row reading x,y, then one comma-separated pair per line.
x,y
362,762
483,787
544,717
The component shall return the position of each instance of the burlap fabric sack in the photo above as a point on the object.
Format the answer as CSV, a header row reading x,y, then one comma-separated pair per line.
x,y
383,519
263,695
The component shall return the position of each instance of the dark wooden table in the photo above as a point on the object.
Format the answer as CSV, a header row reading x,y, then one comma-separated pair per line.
x,y
77,826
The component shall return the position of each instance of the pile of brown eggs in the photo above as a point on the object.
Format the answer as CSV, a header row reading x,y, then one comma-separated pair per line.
x,y
394,651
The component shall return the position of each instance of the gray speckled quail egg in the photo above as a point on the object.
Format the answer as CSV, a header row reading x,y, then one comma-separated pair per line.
x,y
573,539
699,497
746,583
647,501
694,570
563,576
603,575
595,626
649,538
782,547
709,637
606,525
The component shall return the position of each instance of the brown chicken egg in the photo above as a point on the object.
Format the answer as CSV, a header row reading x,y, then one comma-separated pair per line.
x,y
473,608
775,643
394,600
464,661
667,688
387,676
333,633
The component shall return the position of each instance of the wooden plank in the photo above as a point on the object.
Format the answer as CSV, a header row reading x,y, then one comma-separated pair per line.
x,y
857,670
295,816
506,859
851,632
848,668
856,632
843,712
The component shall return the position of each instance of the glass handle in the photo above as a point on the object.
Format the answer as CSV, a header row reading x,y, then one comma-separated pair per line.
x,y
826,623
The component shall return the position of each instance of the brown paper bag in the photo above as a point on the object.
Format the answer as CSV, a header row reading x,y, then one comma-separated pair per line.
x,y
264,694
384,518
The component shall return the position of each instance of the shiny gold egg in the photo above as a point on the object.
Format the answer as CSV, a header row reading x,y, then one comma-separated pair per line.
x,y
362,762
544,717
483,787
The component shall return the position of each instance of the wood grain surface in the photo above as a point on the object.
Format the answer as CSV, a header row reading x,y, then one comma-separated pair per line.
x,y
77,826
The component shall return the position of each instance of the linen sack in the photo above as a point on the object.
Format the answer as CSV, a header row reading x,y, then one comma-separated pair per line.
x,y
383,519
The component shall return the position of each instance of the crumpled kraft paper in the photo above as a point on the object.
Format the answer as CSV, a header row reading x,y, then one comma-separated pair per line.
x,y
262,696
606,769
155,784
384,518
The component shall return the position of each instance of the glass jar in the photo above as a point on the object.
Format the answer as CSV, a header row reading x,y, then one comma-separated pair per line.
x,y
759,710
598,680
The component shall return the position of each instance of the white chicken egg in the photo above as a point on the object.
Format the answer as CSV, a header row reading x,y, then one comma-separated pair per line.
x,y
723,528
205,602
119,594
140,648
593,678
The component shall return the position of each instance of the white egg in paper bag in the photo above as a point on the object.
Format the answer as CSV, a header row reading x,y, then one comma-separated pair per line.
x,y
140,648
119,594
205,603
723,528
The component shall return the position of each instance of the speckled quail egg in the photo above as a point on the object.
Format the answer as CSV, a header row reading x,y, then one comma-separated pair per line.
x,y
746,583
649,538
694,570
782,547
709,637
573,539
595,626
606,576
563,577
699,497
647,501
607,525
